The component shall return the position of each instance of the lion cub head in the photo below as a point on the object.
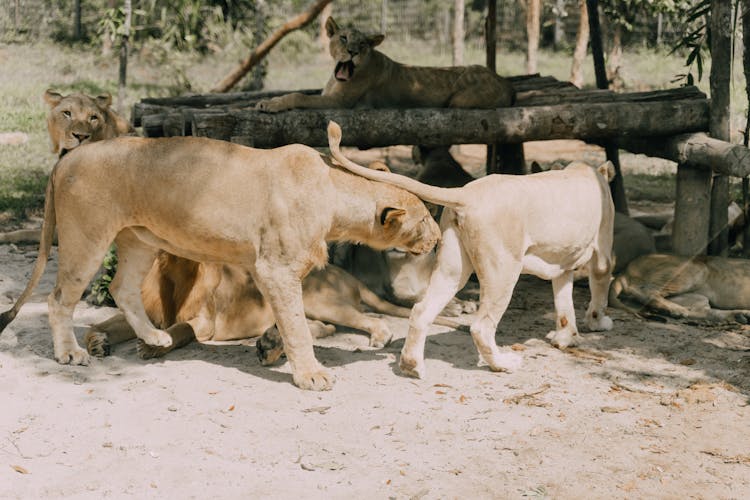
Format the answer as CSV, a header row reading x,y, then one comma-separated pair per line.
x,y
350,49
76,119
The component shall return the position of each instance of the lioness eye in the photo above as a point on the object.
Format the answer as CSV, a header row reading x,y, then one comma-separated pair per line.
x,y
342,38
93,118
66,114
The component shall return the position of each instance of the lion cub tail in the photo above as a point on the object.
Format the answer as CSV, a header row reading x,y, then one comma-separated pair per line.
x,y
449,197
45,244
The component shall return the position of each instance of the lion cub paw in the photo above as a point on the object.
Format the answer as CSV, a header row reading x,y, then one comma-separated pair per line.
x,y
317,380
564,338
599,324
97,344
502,361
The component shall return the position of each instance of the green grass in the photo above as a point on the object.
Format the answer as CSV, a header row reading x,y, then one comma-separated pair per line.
x,y
27,70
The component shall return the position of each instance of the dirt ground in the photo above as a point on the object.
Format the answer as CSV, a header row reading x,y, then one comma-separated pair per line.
x,y
648,410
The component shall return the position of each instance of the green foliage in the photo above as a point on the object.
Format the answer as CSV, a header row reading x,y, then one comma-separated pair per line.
x,y
100,295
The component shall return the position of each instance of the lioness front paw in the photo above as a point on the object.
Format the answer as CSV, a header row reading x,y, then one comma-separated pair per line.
x,y
97,344
273,105
318,380
381,337
412,367
564,338
72,355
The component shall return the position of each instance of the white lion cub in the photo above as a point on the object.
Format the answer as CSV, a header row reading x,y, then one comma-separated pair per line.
x,y
501,226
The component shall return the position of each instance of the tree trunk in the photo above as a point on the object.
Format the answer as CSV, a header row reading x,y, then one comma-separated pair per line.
x,y
458,32
614,61
124,42
721,57
617,186
533,20
260,52
384,16
559,33
323,36
746,140
582,42
77,31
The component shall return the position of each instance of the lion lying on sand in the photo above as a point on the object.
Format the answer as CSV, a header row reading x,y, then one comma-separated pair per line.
x,y
500,226
365,77
710,288
278,210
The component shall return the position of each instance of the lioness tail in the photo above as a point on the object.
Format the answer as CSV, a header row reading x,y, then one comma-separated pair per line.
x,y
45,244
449,197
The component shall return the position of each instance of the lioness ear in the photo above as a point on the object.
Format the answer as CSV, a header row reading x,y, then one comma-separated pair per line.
x,y
375,40
391,215
536,167
104,100
52,98
557,166
331,27
378,165
607,169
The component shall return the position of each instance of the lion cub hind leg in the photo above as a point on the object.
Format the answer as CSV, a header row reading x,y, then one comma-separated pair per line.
x,y
565,333
134,260
596,318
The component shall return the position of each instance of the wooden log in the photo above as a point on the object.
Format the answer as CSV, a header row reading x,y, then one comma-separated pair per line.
x,y
435,127
696,150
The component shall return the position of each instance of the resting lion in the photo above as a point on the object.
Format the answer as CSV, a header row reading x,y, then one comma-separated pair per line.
x,y
710,288
365,77
501,226
278,210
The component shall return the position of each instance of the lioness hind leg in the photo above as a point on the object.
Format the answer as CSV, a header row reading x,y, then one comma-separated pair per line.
x,y
134,260
498,275
78,261
565,333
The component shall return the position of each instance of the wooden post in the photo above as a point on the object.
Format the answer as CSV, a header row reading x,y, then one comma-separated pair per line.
x,y
124,43
746,138
617,186
533,21
721,63
501,158
690,232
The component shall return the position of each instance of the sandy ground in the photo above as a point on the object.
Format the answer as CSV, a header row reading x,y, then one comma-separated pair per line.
x,y
648,410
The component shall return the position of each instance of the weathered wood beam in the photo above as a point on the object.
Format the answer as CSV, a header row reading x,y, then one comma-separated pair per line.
x,y
695,150
434,127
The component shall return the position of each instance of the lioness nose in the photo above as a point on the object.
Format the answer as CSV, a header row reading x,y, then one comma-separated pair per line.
x,y
81,137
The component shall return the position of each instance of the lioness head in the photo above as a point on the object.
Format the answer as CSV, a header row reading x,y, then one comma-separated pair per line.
x,y
76,119
407,225
350,49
